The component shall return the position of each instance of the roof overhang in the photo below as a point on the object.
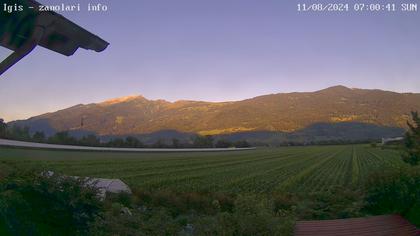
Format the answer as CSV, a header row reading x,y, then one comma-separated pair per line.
x,y
22,31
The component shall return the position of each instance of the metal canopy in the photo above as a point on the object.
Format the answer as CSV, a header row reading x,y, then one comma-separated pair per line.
x,y
22,31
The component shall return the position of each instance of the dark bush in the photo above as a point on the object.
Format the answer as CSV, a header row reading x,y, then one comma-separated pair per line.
x,y
395,191
35,204
334,203
181,203
412,141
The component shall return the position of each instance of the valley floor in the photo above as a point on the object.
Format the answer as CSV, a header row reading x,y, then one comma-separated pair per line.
x,y
265,170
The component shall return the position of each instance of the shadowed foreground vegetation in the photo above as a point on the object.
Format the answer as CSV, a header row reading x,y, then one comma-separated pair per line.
x,y
261,192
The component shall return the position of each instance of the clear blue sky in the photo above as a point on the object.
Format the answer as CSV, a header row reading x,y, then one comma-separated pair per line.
x,y
216,50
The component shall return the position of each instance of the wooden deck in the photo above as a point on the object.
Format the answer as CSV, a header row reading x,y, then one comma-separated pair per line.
x,y
384,225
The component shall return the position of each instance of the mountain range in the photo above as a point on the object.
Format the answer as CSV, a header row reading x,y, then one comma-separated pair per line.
x,y
327,111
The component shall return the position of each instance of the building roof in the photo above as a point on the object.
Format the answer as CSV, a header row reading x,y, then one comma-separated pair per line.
x,y
383,225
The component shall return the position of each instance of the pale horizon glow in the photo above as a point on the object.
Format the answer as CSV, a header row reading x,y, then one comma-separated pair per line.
x,y
216,51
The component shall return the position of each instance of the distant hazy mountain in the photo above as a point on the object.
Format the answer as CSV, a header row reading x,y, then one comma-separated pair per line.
x,y
283,112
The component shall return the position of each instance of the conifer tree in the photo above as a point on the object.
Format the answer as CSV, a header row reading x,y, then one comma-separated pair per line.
x,y
412,141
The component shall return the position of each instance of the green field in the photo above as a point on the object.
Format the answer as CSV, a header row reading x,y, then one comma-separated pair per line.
x,y
265,170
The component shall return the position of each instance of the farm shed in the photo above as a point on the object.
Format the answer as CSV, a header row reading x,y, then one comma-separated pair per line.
x,y
383,225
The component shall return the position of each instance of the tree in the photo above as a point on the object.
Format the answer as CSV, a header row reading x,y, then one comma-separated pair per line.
x,y
394,191
203,141
175,143
133,142
223,144
39,137
19,133
412,141
160,143
242,144
117,142
62,138
90,140
3,129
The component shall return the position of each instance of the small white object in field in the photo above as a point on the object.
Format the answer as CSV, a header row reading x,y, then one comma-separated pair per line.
x,y
109,186
126,211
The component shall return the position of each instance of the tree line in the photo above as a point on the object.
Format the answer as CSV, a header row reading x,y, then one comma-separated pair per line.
x,y
65,138
411,142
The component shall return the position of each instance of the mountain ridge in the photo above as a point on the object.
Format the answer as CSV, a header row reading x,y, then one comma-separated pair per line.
x,y
332,88
280,112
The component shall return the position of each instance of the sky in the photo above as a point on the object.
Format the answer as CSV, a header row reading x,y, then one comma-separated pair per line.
x,y
215,50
